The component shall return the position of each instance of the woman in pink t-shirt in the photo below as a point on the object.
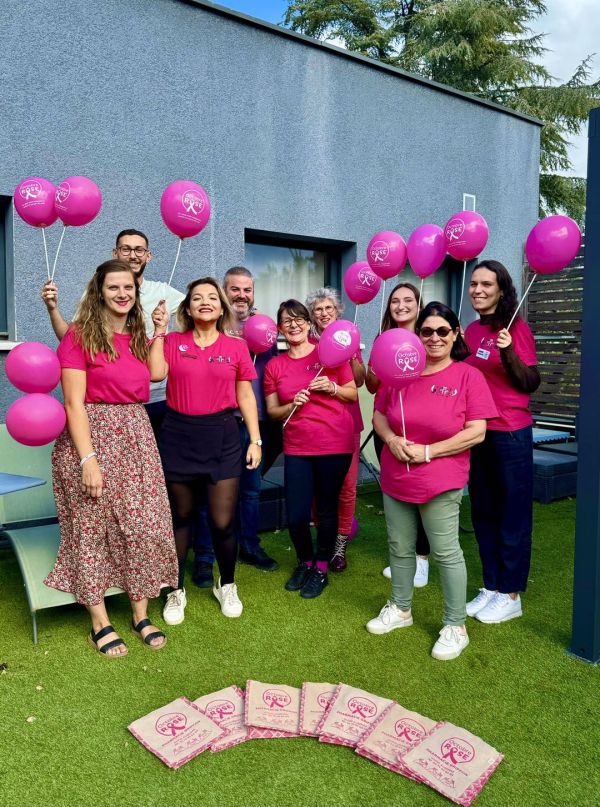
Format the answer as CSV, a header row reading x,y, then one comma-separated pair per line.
x,y
209,376
501,482
403,307
424,469
318,441
113,512
325,307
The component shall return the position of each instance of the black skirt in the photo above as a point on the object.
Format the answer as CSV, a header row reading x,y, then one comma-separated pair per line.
x,y
193,446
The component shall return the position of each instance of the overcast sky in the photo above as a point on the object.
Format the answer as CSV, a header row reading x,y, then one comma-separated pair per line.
x,y
572,28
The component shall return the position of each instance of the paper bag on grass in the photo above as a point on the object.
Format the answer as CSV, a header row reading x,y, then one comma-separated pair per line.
x,y
226,709
275,707
314,702
350,714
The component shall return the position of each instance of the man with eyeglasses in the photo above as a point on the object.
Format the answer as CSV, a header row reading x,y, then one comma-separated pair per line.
x,y
131,247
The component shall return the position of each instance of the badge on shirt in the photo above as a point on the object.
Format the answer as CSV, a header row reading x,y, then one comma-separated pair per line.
x,y
483,354
183,348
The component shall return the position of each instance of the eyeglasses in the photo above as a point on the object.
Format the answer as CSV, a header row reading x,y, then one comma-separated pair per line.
x,y
127,250
287,323
441,331
325,309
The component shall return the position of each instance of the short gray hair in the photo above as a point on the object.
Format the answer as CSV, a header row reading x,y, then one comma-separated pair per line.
x,y
324,293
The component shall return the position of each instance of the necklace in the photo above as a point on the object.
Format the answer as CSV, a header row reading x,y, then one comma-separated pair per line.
x,y
204,347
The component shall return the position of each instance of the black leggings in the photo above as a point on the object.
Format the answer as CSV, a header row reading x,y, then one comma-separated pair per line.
x,y
320,477
221,497
422,547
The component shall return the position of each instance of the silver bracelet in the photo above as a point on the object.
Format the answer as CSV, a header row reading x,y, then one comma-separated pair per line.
x,y
87,457
334,393
427,457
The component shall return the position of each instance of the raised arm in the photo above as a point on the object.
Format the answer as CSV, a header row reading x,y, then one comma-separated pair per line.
x,y
49,294
156,355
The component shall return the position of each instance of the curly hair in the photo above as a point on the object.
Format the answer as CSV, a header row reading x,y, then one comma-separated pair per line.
x,y
185,321
92,323
460,349
508,302
387,322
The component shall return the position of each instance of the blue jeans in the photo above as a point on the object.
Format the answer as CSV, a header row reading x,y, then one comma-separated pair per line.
x,y
247,513
501,491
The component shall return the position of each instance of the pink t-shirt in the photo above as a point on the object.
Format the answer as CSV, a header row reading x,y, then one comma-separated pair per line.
x,y
122,381
512,405
202,381
436,407
324,424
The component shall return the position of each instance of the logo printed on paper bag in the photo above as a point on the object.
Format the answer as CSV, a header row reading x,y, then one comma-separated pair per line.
x,y
219,709
454,229
192,203
169,725
30,190
276,698
324,699
407,359
379,251
362,707
457,750
343,338
409,729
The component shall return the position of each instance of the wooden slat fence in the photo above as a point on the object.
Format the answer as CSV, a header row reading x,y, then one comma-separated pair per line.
x,y
553,310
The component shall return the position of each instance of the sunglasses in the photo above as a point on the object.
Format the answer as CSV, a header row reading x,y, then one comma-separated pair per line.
x,y
442,331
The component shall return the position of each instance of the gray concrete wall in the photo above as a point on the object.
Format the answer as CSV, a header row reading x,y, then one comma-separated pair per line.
x,y
284,136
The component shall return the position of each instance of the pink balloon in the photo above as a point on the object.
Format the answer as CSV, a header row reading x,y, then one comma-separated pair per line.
x,y
466,235
33,367
34,201
338,343
386,254
260,332
185,208
397,357
552,244
426,249
77,201
35,420
361,284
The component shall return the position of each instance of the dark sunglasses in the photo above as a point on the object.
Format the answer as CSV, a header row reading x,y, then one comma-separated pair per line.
x,y
442,331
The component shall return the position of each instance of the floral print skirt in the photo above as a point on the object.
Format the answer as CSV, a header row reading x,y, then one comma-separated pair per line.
x,y
125,537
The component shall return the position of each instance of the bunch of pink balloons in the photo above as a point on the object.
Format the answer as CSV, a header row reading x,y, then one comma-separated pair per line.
x,y
339,341
185,208
76,201
260,332
36,418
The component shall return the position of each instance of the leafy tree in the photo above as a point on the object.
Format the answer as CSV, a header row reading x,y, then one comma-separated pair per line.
x,y
484,47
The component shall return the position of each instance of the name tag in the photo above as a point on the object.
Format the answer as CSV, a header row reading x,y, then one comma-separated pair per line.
x,y
483,354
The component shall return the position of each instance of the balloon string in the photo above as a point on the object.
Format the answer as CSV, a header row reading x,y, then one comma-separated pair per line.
x,y
421,294
46,252
512,319
296,407
403,424
355,313
382,304
462,288
176,259
60,240
254,359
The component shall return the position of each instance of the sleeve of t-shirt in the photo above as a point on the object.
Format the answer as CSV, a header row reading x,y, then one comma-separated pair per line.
x,y
70,353
344,373
524,343
246,370
382,399
270,380
480,404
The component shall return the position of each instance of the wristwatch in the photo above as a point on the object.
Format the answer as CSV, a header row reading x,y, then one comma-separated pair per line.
x,y
256,442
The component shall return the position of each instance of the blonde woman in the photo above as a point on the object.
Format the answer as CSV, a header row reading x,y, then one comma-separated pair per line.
x,y
109,487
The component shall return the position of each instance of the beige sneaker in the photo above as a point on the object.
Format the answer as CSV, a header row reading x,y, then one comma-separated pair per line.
x,y
173,612
227,595
389,618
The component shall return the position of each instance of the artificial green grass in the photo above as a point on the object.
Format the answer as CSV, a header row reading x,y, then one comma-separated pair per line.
x,y
514,686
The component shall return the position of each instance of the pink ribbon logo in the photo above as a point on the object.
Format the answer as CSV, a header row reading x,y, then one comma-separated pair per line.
x,y
457,751
62,192
409,729
366,279
192,203
362,707
276,698
169,725
407,360
454,229
324,699
30,191
379,251
217,710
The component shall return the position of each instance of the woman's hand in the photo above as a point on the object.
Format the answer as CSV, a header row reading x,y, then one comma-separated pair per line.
x,y
91,478
301,397
417,452
253,456
504,339
49,294
321,384
160,318
400,448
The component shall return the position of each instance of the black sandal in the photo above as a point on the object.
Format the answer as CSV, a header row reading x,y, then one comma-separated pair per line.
x,y
93,639
147,640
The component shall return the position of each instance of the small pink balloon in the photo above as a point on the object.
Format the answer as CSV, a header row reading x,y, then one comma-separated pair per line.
x,y
77,201
260,332
34,201
552,244
361,284
398,357
33,367
338,343
386,254
353,529
466,235
185,208
35,420
426,249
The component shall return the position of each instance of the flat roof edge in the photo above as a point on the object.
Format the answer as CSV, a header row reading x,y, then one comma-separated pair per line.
x,y
357,57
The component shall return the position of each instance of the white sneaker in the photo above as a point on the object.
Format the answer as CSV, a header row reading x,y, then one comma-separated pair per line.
x,y
484,597
227,595
451,643
500,608
422,573
387,572
390,617
173,612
